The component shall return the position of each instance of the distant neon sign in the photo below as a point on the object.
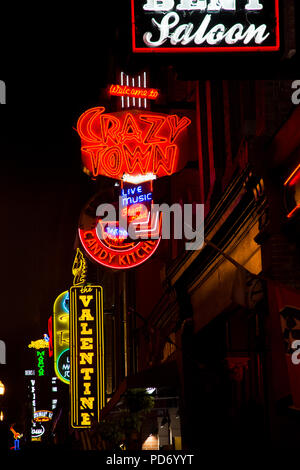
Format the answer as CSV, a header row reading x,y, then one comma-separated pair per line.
x,y
133,92
40,343
132,143
41,362
42,415
61,337
174,26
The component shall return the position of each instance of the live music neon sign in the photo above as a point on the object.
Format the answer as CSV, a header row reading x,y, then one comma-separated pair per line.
x,y
132,143
205,25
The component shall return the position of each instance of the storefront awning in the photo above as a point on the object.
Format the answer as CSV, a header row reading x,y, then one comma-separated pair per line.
x,y
163,375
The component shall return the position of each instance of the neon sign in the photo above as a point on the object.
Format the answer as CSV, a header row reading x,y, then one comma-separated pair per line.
x,y
42,415
108,243
132,143
87,355
40,343
79,268
61,349
205,25
133,92
41,362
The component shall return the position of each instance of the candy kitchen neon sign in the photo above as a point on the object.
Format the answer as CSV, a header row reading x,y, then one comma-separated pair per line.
x,y
130,143
205,25
117,250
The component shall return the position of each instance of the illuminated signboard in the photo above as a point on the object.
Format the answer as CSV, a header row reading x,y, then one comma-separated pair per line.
x,y
40,343
292,192
61,346
133,92
42,415
132,143
87,355
174,26
41,362
108,243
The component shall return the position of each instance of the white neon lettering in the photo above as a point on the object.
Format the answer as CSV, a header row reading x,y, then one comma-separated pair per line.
x,y
159,5
164,27
192,5
216,5
216,34
202,5
254,5
184,34
256,33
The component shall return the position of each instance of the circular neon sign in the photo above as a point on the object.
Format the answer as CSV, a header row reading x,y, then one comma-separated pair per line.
x,y
106,242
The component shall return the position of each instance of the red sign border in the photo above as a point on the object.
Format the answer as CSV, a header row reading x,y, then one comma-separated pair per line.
x,y
171,50
116,252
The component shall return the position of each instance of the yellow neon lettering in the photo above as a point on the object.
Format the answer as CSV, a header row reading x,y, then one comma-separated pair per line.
x,y
87,373
86,343
85,419
86,314
85,299
87,403
86,358
87,390
84,331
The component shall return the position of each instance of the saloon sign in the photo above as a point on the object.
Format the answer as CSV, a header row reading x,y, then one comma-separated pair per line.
x,y
205,25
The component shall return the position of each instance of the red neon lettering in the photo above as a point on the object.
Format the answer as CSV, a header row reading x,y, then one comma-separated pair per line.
x,y
156,124
166,160
110,126
124,90
130,129
85,124
177,125
121,260
118,257
94,154
111,161
138,161
130,143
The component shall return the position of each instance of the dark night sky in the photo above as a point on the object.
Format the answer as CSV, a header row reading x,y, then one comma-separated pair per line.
x,y
54,65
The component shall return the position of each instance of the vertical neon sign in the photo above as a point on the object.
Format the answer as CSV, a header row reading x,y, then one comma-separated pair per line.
x,y
87,355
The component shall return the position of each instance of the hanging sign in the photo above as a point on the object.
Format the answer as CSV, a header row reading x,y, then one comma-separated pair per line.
x,y
205,25
87,355
61,347
107,242
131,143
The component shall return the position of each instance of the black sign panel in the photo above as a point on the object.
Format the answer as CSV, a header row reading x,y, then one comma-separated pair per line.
x,y
87,355
205,25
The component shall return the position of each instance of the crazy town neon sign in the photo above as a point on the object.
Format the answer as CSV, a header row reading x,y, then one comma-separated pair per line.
x,y
132,143
205,25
